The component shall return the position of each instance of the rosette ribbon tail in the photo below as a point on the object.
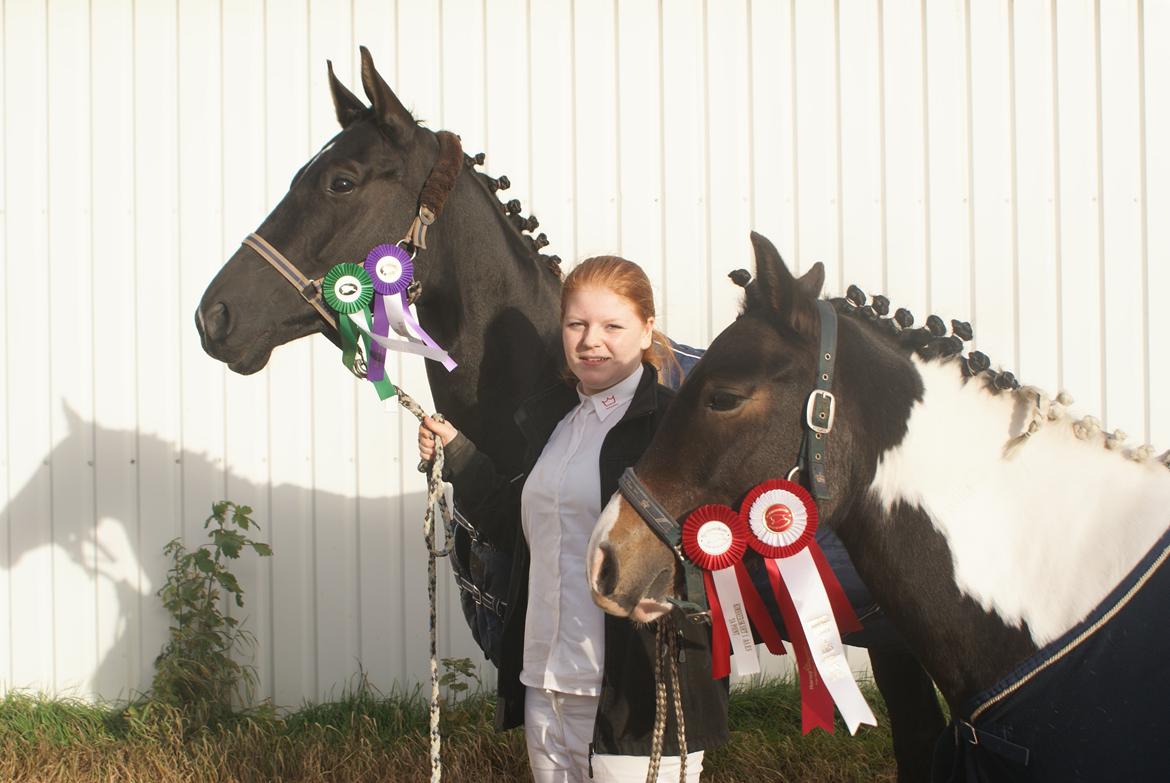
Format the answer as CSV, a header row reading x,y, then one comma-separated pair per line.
x,y
816,704
720,641
814,611
382,385
376,368
758,612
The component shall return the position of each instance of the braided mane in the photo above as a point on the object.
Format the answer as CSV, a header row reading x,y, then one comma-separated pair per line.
x,y
931,342
510,211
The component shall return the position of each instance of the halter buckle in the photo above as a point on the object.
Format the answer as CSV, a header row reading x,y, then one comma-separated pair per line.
x,y
827,416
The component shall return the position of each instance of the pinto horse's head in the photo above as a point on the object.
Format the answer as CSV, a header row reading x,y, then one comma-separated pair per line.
x,y
736,422
360,189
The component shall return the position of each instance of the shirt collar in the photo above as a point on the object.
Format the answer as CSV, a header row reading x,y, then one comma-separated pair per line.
x,y
615,397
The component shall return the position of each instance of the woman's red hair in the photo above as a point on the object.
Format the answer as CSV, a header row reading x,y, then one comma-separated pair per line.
x,y
627,280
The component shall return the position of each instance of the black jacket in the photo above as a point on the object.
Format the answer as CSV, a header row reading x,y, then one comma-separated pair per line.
x,y
625,716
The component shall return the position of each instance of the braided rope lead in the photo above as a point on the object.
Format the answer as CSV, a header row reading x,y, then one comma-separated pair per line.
x,y
666,646
435,497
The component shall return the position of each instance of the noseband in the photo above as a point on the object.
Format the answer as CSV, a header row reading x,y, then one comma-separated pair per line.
x,y
437,187
820,411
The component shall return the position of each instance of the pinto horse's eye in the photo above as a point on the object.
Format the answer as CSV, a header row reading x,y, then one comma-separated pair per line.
x,y
342,184
724,401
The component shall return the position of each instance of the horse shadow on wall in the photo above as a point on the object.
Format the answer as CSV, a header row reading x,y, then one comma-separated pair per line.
x,y
331,602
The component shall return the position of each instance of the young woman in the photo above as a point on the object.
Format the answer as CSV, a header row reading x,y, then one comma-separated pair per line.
x,y
580,681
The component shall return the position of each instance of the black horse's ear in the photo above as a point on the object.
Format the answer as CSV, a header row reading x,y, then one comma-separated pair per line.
x,y
792,299
387,108
349,109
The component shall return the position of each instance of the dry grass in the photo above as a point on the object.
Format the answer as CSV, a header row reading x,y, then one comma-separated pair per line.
x,y
368,739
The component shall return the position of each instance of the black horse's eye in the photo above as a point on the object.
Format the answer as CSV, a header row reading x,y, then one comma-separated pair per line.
x,y
724,401
341,184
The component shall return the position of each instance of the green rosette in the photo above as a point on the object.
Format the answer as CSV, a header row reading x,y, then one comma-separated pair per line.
x,y
348,290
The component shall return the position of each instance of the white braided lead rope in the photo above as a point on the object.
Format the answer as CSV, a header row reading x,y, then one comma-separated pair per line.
x,y
666,645
435,497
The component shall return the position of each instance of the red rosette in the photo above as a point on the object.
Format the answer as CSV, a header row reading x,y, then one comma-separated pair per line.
x,y
780,516
714,537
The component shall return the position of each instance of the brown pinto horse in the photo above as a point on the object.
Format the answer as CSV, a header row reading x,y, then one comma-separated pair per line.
x,y
1006,540
487,296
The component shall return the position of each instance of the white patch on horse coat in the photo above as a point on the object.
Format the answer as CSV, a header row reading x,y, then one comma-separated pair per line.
x,y
1040,537
605,523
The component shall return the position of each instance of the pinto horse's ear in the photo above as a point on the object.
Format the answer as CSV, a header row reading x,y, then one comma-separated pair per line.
x,y
794,300
387,108
349,109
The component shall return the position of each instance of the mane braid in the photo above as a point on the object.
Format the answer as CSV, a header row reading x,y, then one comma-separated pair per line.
x,y
931,342
550,263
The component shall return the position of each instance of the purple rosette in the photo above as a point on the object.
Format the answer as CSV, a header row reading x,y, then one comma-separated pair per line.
x,y
390,268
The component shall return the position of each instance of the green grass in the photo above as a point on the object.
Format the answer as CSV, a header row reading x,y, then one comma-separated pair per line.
x,y
365,737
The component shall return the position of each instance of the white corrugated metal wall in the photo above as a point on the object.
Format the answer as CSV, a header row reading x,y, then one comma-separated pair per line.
x,y
999,161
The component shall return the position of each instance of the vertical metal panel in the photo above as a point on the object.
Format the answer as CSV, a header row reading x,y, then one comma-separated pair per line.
x,y
903,137
288,144
6,432
155,275
1121,219
27,326
1156,112
862,135
773,125
817,141
993,284
246,398
119,608
684,156
551,116
1078,198
595,154
993,162
948,143
638,114
1035,188
728,121
71,394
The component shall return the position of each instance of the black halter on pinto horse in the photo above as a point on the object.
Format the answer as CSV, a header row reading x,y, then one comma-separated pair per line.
x,y
485,294
1019,550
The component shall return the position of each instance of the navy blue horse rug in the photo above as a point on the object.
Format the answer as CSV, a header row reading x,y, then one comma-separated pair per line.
x,y
1094,705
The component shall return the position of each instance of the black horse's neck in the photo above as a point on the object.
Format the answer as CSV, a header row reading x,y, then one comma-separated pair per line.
x,y
494,305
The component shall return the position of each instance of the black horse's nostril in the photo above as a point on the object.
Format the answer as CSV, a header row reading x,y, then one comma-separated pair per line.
x,y
607,575
217,323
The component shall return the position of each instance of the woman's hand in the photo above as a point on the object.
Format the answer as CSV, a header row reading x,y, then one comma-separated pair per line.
x,y
426,436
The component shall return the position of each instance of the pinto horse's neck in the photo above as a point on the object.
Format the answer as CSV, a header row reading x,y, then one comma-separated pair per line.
x,y
984,557
493,304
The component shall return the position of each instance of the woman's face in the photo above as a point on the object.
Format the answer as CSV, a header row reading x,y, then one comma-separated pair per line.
x,y
603,337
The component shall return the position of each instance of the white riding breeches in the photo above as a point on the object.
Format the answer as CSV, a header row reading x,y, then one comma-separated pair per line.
x,y
558,728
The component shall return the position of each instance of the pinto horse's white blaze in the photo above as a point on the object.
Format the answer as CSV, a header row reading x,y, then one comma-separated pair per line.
x,y
1039,537
605,523
647,609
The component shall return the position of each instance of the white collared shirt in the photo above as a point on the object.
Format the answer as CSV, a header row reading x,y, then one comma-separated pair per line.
x,y
564,631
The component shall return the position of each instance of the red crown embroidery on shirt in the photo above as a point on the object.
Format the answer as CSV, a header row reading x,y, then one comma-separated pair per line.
x,y
609,401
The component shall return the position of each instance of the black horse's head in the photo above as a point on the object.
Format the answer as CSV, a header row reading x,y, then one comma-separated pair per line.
x,y
739,418
360,190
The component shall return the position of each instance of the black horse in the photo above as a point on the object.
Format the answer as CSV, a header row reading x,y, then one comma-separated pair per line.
x,y
485,294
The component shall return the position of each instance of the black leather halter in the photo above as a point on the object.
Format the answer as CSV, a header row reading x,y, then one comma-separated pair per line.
x,y
820,411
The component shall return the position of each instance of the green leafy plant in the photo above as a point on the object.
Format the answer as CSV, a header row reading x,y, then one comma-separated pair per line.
x,y
457,677
196,671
